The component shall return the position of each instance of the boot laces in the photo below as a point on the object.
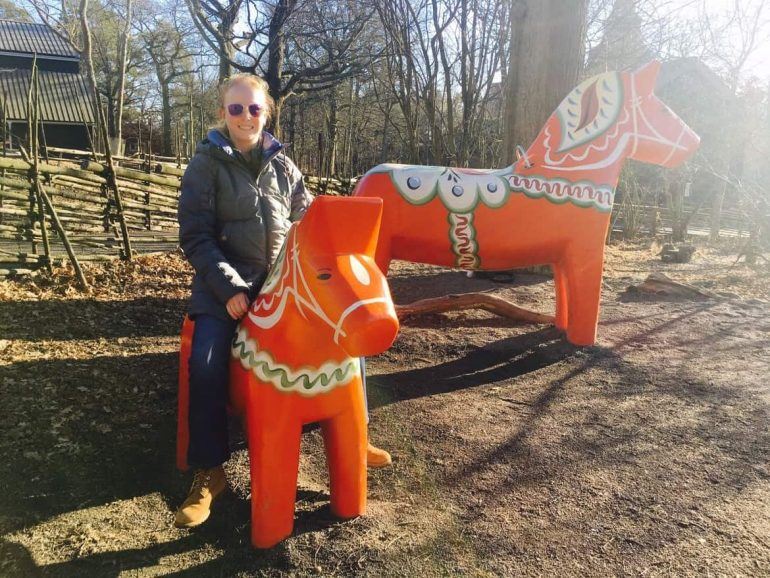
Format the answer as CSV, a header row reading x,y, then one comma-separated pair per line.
x,y
201,481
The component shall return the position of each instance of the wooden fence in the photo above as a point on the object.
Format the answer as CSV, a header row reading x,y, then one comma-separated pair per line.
x,y
78,187
631,221
85,205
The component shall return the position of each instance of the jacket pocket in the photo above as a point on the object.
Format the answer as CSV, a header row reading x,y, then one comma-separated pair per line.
x,y
245,240
224,235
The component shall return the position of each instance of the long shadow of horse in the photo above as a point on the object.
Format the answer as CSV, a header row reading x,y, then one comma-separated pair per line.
x,y
495,362
728,443
436,282
102,430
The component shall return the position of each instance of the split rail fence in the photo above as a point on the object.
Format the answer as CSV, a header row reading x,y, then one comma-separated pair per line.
x,y
79,189
85,204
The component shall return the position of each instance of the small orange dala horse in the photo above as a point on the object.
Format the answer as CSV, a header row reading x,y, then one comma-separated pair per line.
x,y
552,207
295,360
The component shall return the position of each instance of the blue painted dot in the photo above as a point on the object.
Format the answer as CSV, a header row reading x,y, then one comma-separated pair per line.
x,y
413,182
492,187
457,191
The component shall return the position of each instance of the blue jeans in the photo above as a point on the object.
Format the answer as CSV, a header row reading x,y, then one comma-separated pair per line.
x,y
209,379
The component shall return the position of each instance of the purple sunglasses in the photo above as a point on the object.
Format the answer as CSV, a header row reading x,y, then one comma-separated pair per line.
x,y
237,109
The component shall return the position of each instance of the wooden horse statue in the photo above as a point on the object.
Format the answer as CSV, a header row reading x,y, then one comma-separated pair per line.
x,y
551,207
296,355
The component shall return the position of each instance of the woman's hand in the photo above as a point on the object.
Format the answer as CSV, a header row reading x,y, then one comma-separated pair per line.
x,y
237,305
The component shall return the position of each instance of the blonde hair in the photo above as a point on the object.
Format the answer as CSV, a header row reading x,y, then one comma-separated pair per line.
x,y
246,79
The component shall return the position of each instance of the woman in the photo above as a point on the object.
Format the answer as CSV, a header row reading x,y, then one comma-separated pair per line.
x,y
240,194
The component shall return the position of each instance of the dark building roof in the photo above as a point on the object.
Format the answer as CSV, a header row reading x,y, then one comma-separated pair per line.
x,y
63,96
30,38
691,70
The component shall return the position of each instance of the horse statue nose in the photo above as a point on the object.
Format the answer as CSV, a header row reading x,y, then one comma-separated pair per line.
x,y
370,330
688,143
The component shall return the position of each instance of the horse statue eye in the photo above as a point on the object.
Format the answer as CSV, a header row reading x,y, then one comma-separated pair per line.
x,y
324,276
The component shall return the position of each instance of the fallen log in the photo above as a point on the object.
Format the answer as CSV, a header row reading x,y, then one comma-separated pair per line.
x,y
14,183
15,195
6,210
464,301
660,284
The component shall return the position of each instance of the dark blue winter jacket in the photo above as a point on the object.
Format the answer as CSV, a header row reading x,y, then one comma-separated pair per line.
x,y
234,213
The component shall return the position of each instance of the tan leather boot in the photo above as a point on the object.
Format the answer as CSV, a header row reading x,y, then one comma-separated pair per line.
x,y
206,486
377,458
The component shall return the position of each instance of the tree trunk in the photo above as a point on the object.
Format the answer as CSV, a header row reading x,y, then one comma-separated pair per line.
x,y
122,65
385,145
547,45
292,132
190,147
436,150
165,96
226,53
331,153
449,148
276,129
304,163
111,115
678,223
466,86
346,145
716,211
276,55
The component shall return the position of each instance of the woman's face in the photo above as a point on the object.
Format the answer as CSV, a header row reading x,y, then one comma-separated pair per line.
x,y
245,128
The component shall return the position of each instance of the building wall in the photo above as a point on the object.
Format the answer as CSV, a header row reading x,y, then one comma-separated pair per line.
x,y
71,136
43,63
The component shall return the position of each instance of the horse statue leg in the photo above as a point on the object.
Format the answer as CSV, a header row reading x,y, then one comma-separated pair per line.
x,y
583,269
274,445
560,286
345,438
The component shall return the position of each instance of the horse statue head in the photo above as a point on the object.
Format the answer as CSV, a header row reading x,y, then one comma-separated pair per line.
x,y
326,280
606,119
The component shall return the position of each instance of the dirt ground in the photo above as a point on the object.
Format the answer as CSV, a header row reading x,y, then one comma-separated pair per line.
x,y
515,453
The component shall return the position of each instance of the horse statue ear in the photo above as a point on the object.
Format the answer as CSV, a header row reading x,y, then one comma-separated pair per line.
x,y
342,225
646,76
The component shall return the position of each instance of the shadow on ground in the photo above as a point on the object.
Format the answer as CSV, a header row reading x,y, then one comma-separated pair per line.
x,y
499,361
438,282
90,319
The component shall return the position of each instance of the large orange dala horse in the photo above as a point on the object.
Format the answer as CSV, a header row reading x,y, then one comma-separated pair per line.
x,y
324,304
551,207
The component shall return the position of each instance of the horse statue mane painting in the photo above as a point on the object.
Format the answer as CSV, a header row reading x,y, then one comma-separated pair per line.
x,y
324,304
552,206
